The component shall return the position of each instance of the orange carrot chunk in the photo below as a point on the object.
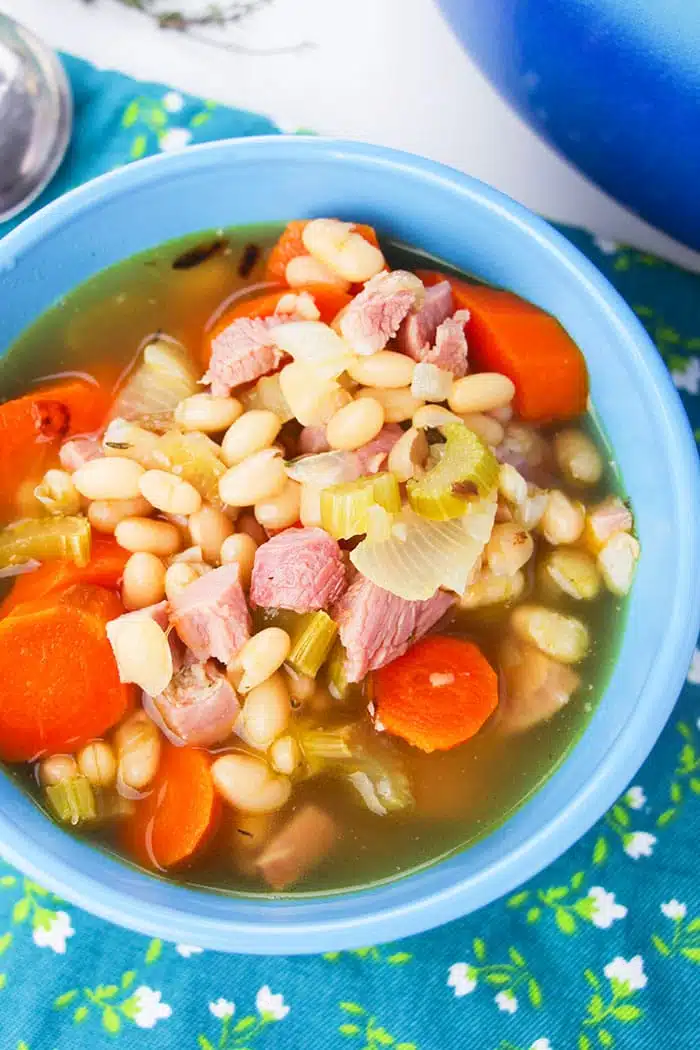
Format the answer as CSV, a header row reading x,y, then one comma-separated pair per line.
x,y
438,694
290,245
60,686
105,569
507,334
179,815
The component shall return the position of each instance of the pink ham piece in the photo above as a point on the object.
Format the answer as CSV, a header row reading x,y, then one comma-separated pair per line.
x,y
298,847
417,333
374,316
79,451
211,616
312,440
372,456
450,349
200,706
242,353
298,569
376,626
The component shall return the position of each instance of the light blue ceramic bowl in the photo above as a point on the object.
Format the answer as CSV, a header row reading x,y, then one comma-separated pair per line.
x,y
484,232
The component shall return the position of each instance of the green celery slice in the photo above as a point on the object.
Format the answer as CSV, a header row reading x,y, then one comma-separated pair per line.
x,y
72,800
467,468
312,643
345,509
45,539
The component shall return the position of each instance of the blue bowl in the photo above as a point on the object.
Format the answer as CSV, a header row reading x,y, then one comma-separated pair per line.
x,y
482,231
614,85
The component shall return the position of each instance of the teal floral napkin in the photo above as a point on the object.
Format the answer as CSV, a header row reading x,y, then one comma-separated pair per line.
x,y
601,950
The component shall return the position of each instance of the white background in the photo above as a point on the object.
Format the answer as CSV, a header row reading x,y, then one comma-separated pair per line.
x,y
386,71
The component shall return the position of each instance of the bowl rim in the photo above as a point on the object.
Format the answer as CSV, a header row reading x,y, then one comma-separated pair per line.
x,y
300,926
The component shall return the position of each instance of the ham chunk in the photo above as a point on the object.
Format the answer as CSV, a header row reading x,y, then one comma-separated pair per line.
x,y
534,687
312,440
374,316
417,333
372,456
211,616
299,569
376,626
450,349
79,451
200,706
242,353
298,847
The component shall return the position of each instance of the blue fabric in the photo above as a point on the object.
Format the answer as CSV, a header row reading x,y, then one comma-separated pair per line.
x,y
601,950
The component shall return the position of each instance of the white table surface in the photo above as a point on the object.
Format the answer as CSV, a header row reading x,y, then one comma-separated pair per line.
x,y
386,71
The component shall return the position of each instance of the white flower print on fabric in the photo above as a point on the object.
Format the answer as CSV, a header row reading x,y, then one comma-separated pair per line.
x,y
148,1007
55,934
639,844
694,669
460,978
608,247
688,378
173,101
269,1005
673,909
222,1008
628,972
507,1002
635,797
174,139
187,950
541,1044
605,909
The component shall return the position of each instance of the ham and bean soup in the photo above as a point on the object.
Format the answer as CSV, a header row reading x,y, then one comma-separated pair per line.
x,y
313,559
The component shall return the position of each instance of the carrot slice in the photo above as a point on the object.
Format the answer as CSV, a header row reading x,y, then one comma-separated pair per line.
x,y
177,818
105,569
61,687
330,301
290,245
438,694
507,334
32,427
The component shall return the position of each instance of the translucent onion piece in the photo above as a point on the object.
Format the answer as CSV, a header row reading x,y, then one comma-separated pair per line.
x,y
194,457
314,344
266,394
431,383
325,468
164,376
44,539
422,556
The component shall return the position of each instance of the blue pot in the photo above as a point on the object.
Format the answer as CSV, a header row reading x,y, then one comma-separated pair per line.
x,y
614,85
451,215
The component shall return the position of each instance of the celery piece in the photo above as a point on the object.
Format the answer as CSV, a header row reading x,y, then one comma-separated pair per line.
x,y
345,508
45,539
72,800
312,643
338,684
195,458
467,468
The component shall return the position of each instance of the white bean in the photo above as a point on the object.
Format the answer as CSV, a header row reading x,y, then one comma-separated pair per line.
x,y
311,399
265,714
342,250
169,493
355,424
433,416
399,405
304,269
285,755
239,550
577,457
511,484
143,582
209,527
262,655
488,429
247,783
617,561
386,369
509,548
572,572
481,392
282,510
251,432
57,768
142,652
178,577
259,477
301,686
97,762
409,454
143,534
563,521
489,589
564,638
207,413
105,514
310,506
138,744
109,478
